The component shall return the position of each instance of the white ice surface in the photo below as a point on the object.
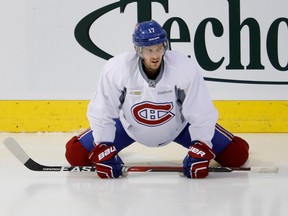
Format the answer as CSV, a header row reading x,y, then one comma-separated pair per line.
x,y
27,193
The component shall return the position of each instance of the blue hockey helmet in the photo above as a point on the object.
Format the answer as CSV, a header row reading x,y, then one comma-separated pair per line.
x,y
149,33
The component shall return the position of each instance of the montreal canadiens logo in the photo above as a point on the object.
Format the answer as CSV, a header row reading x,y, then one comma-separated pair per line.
x,y
152,114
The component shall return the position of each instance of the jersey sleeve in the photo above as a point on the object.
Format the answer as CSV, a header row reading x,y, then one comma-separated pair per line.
x,y
104,106
198,109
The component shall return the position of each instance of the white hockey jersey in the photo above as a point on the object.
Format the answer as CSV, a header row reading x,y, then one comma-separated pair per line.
x,y
153,112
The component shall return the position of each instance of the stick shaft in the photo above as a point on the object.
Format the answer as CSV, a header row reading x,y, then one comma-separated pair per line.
x,y
32,165
150,168
25,159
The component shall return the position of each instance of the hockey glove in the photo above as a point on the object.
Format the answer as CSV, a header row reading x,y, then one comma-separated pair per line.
x,y
196,162
108,163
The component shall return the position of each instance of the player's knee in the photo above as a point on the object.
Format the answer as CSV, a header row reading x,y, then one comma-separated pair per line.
x,y
76,154
235,154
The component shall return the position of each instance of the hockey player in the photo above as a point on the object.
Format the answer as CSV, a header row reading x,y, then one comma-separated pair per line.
x,y
153,96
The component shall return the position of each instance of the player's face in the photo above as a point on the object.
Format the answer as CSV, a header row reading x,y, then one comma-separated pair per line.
x,y
152,56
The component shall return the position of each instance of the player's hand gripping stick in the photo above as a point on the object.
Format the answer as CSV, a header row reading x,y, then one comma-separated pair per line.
x,y
107,161
196,162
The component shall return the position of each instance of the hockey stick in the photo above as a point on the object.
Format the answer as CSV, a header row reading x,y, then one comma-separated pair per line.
x,y
24,158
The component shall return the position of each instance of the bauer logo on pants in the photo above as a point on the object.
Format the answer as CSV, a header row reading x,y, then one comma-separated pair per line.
x,y
152,114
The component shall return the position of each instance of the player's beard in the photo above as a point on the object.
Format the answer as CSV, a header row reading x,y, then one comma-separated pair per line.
x,y
152,66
